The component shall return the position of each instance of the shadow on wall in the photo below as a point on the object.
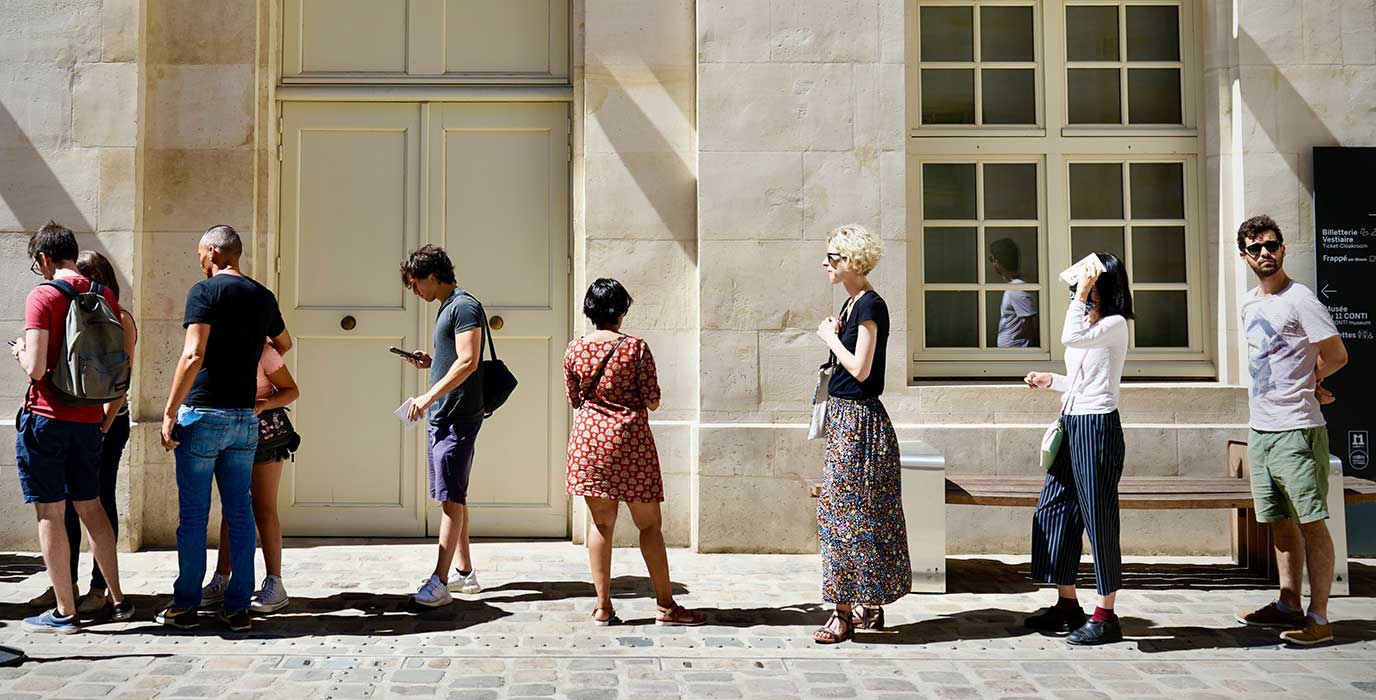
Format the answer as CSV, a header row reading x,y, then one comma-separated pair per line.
x,y
29,188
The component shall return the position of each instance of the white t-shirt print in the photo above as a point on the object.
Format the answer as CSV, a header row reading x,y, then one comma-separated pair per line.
x,y
1282,332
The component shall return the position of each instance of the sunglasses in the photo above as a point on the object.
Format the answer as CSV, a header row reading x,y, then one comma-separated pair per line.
x,y
1270,246
833,258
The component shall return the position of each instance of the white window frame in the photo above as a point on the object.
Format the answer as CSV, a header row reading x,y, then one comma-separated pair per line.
x,y
1057,145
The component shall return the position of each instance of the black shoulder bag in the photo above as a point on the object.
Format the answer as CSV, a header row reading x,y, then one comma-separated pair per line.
x,y
498,381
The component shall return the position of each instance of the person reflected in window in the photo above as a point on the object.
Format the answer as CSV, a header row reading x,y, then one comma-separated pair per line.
x,y
1019,321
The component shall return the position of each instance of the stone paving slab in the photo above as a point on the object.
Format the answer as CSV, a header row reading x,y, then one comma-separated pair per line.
x,y
350,633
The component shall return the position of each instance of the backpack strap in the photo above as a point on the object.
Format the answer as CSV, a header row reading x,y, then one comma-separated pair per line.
x,y
65,287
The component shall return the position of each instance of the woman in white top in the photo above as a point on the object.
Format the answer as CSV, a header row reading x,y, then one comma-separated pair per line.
x,y
1081,491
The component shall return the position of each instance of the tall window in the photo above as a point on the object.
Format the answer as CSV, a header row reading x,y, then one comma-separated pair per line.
x,y
1042,131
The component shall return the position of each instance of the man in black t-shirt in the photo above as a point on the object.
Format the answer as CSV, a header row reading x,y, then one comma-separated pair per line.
x,y
211,423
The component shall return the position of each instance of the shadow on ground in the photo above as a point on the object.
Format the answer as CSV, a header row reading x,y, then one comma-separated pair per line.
x,y
992,576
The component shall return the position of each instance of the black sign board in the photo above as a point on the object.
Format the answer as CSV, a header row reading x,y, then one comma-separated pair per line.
x,y
1345,232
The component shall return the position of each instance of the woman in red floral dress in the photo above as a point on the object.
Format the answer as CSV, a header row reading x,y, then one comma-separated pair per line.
x,y
612,385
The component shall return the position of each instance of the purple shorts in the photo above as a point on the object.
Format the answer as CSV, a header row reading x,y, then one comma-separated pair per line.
x,y
450,454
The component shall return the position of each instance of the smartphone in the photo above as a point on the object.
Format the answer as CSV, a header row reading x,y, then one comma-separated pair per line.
x,y
403,353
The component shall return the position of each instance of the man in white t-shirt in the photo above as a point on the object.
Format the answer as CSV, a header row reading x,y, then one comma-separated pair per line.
x,y
1292,345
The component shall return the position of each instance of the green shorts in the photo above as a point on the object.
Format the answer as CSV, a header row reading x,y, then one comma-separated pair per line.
x,y
1289,474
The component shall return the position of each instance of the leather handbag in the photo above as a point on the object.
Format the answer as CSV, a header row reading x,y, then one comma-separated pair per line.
x,y
1054,437
498,382
817,427
275,431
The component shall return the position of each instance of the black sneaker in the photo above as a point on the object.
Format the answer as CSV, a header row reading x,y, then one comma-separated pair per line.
x,y
238,621
1056,620
122,611
179,618
1095,632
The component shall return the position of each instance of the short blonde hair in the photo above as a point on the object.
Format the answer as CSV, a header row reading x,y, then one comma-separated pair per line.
x,y
860,247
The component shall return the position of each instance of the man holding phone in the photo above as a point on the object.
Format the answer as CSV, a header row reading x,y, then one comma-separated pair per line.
x,y
454,408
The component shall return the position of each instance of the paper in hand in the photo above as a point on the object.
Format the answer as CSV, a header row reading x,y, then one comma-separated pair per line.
x,y
403,411
1071,275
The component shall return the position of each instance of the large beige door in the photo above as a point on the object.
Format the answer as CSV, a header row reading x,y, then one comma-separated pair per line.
x,y
350,211
362,184
498,200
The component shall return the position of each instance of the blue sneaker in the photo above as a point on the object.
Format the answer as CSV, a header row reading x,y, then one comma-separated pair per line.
x,y
52,623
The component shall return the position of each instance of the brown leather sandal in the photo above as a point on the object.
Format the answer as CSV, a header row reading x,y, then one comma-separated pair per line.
x,y
867,617
599,620
825,635
678,616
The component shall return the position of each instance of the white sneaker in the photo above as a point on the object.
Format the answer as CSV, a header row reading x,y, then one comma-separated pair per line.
x,y
214,592
271,597
433,593
91,603
467,585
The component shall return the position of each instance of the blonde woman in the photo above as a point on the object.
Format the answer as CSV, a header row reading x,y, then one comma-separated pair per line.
x,y
860,524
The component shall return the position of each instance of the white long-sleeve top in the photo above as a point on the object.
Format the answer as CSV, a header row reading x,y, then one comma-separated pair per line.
x,y
1102,348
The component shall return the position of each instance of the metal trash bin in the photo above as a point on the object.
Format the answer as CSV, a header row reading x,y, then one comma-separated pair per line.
x,y
924,510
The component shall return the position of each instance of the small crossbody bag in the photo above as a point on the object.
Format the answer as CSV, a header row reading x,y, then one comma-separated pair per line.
x,y
1054,437
817,427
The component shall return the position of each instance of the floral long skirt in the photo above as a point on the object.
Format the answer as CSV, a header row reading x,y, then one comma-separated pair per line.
x,y
860,511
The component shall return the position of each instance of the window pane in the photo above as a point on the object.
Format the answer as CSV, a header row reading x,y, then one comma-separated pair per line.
x,y
1094,96
950,254
948,96
1010,191
1010,96
1158,190
1162,319
1154,95
948,191
1091,33
1096,191
952,319
1158,254
948,34
1006,34
1153,33
1096,239
1012,254
1012,319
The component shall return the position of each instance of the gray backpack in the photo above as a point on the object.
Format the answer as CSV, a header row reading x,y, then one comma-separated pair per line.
x,y
93,367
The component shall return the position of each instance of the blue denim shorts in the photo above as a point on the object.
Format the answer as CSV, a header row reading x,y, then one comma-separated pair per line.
x,y
451,459
58,459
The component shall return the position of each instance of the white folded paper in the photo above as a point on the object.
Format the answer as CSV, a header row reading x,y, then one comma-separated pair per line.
x,y
403,412
1071,275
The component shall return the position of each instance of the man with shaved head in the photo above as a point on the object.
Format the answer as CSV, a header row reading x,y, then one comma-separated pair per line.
x,y
211,423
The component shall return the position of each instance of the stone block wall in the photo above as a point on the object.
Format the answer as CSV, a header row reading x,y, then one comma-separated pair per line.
x,y
69,126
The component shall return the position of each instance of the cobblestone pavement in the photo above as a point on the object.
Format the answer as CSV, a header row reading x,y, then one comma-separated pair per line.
x,y
349,633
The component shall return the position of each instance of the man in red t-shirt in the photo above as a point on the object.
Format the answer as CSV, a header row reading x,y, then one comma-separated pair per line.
x,y
58,444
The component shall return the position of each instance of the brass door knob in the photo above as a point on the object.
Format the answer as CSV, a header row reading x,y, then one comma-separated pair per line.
x,y
348,323
496,323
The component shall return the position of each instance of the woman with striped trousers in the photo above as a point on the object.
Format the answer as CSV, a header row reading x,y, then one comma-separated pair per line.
x,y
1081,491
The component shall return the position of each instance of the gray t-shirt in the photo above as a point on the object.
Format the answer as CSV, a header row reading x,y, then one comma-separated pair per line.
x,y
459,313
1282,330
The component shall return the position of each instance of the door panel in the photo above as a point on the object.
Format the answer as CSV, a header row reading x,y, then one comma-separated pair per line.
x,y
350,207
499,203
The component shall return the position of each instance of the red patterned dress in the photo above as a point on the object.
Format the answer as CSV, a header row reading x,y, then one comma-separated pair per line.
x,y
611,449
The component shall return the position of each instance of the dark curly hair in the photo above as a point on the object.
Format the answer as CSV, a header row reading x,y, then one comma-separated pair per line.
x,y
606,302
425,261
55,241
1254,227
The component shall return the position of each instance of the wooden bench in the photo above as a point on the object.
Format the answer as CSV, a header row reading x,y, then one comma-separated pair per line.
x,y
1251,541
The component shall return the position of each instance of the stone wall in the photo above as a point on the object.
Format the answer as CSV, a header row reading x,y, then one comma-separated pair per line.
x,y
69,125
634,212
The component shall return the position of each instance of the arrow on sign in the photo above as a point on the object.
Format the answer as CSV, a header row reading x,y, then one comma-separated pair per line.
x,y
1326,291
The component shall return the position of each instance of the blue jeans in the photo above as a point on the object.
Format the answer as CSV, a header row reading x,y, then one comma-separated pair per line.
x,y
215,443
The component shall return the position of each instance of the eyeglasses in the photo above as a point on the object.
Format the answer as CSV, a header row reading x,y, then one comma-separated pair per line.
x,y
34,268
833,258
1255,249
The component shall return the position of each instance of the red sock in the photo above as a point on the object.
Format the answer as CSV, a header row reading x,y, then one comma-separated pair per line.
x,y
1103,615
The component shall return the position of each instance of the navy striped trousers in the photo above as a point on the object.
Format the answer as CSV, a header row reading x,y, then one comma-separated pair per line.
x,y
1081,493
